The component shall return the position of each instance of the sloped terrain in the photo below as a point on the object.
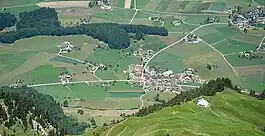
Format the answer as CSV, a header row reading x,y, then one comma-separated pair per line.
x,y
229,113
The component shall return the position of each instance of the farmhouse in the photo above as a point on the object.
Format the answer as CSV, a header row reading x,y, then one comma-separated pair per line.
x,y
65,47
192,38
65,78
202,103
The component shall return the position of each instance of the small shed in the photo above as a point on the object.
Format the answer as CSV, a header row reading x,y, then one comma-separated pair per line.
x,y
202,103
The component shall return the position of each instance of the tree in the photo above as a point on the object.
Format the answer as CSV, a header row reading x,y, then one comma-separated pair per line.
x,y
3,114
7,20
81,112
91,4
139,35
156,98
209,66
93,122
65,103
262,95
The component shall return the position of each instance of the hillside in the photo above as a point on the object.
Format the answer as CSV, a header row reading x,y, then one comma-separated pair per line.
x,y
230,114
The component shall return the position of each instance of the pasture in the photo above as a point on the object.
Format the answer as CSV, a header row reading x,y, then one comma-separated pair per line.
x,y
117,62
29,59
187,119
197,56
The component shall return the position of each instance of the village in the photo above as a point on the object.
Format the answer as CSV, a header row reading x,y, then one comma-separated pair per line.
x,y
247,20
157,79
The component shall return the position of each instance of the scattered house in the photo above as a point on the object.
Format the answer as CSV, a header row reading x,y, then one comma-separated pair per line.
x,y
65,78
65,47
249,55
176,23
203,103
192,38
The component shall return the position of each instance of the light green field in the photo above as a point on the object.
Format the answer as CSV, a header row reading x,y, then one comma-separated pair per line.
x,y
230,114
6,3
17,10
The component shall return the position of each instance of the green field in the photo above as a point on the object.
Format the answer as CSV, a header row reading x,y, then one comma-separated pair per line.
x,y
262,2
230,114
236,61
17,10
7,3
117,59
95,95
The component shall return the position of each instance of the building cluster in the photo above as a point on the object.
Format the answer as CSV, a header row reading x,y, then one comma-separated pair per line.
x,y
66,47
249,55
162,80
192,38
145,55
246,20
17,84
134,72
168,81
65,78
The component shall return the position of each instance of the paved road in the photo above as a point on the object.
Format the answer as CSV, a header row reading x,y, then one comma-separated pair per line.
x,y
79,82
178,42
136,10
261,42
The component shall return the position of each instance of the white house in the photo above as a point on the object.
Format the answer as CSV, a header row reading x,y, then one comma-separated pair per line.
x,y
167,73
202,103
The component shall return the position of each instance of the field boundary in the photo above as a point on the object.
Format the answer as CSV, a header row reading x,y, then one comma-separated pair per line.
x,y
222,56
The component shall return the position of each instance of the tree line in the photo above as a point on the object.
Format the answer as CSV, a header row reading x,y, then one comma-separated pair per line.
x,y
37,23
26,104
7,20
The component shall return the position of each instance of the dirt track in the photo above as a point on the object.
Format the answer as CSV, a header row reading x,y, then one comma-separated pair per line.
x,y
63,4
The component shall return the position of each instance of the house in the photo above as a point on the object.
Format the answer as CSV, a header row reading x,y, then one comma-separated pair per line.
x,y
167,73
203,103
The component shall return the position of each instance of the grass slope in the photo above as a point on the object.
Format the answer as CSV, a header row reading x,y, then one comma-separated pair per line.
x,y
231,114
